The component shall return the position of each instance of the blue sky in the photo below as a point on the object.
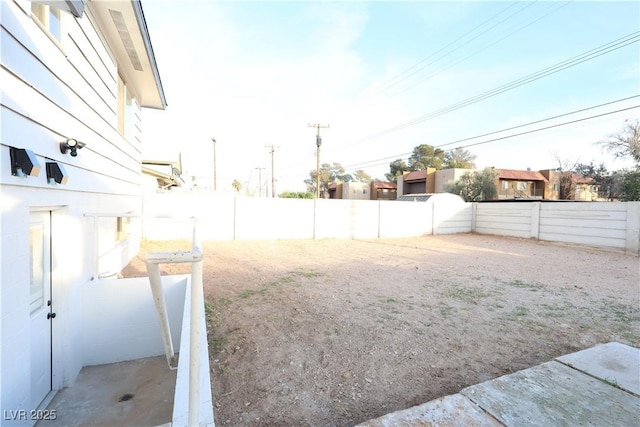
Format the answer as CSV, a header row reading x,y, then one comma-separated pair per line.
x,y
253,74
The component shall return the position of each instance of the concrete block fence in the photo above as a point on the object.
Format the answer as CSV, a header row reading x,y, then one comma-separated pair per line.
x,y
228,217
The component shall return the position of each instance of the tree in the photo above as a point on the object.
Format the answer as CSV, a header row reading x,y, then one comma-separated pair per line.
x,y
396,168
475,186
361,176
236,185
625,143
567,184
630,186
459,158
329,173
425,156
296,195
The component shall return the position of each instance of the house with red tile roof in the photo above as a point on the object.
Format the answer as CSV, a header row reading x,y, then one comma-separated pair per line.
x,y
519,184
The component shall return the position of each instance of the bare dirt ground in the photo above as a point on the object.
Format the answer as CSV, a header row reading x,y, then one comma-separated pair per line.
x,y
336,332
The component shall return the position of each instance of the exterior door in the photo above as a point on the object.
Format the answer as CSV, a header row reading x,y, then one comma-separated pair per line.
x,y
40,305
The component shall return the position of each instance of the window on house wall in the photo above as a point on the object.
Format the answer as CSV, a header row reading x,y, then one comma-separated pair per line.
x,y
122,228
50,18
505,185
522,186
125,110
556,187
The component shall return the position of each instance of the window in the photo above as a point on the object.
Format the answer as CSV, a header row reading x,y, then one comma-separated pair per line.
x,y
125,110
505,185
50,18
556,187
37,282
122,228
522,186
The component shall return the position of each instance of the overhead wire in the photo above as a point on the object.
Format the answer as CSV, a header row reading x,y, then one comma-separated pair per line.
x,y
568,63
474,53
392,81
382,161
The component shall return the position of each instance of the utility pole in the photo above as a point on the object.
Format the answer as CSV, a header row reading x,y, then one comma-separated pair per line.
x,y
260,181
272,150
214,165
318,144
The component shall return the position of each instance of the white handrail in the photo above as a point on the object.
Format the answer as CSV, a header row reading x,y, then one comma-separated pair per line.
x,y
152,261
197,305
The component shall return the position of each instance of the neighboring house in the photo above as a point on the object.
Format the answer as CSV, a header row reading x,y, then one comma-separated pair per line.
x,y
585,190
446,177
383,190
74,76
362,191
417,182
162,175
581,188
335,190
517,184
354,190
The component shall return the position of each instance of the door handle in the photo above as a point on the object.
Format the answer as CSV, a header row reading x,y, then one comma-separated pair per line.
x,y
51,316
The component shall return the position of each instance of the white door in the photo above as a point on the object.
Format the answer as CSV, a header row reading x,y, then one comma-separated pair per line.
x,y
40,305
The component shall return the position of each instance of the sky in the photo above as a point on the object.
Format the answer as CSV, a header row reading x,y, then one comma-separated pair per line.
x,y
386,76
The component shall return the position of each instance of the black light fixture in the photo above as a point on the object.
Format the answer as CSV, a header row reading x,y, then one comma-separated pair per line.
x,y
56,174
72,145
23,162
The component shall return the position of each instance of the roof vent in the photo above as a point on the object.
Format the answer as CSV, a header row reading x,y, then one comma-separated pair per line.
x,y
123,31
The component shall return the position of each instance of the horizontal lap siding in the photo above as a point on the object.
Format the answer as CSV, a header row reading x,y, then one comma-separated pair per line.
x,y
49,95
596,224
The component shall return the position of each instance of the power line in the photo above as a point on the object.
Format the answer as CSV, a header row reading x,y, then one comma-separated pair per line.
x,y
382,161
583,57
474,53
391,82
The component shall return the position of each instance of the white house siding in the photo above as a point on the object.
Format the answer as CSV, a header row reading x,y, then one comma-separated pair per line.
x,y
51,92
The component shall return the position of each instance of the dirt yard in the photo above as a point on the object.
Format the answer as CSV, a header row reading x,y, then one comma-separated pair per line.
x,y
336,332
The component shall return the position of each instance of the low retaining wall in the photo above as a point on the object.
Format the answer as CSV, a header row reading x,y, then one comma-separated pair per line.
x,y
119,319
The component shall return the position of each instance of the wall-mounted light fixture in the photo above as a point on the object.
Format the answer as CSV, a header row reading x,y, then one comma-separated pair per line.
x,y
56,173
23,162
72,145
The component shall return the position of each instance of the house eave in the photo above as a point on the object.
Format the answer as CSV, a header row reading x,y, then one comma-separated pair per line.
x,y
131,46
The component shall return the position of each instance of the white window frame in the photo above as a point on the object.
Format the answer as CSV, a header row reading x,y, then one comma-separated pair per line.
x,y
126,112
42,14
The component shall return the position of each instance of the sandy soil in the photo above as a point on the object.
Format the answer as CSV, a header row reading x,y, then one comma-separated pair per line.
x,y
336,332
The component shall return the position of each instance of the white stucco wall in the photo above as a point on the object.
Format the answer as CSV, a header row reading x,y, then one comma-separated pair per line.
x,y
50,92
119,319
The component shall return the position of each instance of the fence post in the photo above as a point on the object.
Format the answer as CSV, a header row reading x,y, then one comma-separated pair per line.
x,y
632,244
474,215
535,220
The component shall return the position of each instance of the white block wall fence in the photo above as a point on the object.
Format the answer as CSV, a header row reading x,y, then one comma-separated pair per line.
x,y
227,217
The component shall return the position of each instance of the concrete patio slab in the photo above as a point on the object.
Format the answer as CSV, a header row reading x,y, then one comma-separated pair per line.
x,y
614,362
593,387
134,393
554,394
454,411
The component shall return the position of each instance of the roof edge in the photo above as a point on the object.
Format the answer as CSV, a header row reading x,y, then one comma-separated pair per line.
x,y
142,24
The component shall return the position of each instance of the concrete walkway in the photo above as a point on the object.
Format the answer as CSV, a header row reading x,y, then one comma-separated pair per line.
x,y
133,393
599,386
